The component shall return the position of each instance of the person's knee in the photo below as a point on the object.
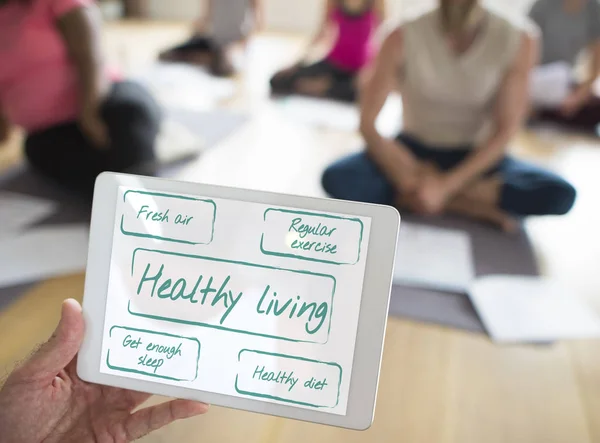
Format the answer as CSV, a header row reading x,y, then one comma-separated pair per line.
x,y
334,181
133,107
561,198
355,179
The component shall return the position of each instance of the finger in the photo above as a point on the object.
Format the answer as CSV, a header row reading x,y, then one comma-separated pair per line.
x,y
137,398
61,348
155,417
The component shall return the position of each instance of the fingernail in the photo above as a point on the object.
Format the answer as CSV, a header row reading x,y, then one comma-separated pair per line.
x,y
72,301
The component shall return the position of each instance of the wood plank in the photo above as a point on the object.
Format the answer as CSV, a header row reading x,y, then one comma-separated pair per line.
x,y
444,386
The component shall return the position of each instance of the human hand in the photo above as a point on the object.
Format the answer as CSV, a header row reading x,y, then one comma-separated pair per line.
x,y
432,194
94,128
45,401
574,102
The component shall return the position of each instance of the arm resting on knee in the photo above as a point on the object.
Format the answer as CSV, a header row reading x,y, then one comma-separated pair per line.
x,y
376,84
511,109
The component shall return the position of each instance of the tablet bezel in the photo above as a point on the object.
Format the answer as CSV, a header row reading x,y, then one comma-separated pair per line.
x,y
385,220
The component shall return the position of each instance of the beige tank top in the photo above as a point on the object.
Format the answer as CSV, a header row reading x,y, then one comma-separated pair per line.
x,y
448,98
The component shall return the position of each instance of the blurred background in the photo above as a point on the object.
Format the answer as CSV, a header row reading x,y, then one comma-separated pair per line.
x,y
446,375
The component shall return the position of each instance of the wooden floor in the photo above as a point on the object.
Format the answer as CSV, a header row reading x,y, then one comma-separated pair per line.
x,y
437,385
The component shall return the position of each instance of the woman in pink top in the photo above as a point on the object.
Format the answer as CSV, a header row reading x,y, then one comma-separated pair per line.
x,y
355,22
79,120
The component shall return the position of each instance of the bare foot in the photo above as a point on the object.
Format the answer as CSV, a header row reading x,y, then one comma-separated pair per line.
x,y
313,86
487,214
468,209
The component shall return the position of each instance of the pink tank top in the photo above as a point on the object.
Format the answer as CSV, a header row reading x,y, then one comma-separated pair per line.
x,y
354,46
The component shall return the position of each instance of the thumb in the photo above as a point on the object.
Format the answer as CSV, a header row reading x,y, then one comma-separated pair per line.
x,y
54,355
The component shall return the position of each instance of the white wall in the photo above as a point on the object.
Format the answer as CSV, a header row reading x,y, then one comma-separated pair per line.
x,y
304,15
176,9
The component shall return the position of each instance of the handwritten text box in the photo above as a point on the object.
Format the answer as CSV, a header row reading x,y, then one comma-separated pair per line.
x,y
311,236
174,218
166,356
233,296
296,380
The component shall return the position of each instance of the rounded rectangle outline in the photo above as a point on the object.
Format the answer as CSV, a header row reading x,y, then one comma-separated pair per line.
x,y
223,328
302,257
145,331
291,357
158,237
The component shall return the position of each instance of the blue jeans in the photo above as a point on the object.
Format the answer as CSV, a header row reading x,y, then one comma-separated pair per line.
x,y
526,188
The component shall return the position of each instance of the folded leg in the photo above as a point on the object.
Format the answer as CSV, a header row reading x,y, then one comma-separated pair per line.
x,y
586,120
528,190
197,50
314,79
64,154
357,178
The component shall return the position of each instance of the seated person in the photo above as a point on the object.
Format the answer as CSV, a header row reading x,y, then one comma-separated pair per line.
x,y
567,28
463,73
355,22
225,23
79,120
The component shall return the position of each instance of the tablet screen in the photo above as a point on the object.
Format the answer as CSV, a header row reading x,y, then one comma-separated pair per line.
x,y
234,297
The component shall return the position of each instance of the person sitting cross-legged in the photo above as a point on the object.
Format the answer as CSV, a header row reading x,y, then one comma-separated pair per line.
x,y
463,73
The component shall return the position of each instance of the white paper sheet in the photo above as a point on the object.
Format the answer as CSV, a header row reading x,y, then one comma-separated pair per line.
x,y
528,309
176,142
43,253
19,211
184,86
550,84
322,113
434,258
258,302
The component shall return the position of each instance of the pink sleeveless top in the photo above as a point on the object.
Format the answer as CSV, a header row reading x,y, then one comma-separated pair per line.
x,y
354,46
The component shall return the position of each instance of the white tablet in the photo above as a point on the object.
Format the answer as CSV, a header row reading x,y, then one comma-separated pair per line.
x,y
259,301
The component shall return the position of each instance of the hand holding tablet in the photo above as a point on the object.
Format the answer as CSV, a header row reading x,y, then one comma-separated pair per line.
x,y
264,302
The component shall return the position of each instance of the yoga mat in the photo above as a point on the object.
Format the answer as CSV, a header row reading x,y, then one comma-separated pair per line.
x,y
185,134
328,114
494,253
184,86
211,126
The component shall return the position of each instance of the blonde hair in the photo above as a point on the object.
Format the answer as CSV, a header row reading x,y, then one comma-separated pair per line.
x,y
457,16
